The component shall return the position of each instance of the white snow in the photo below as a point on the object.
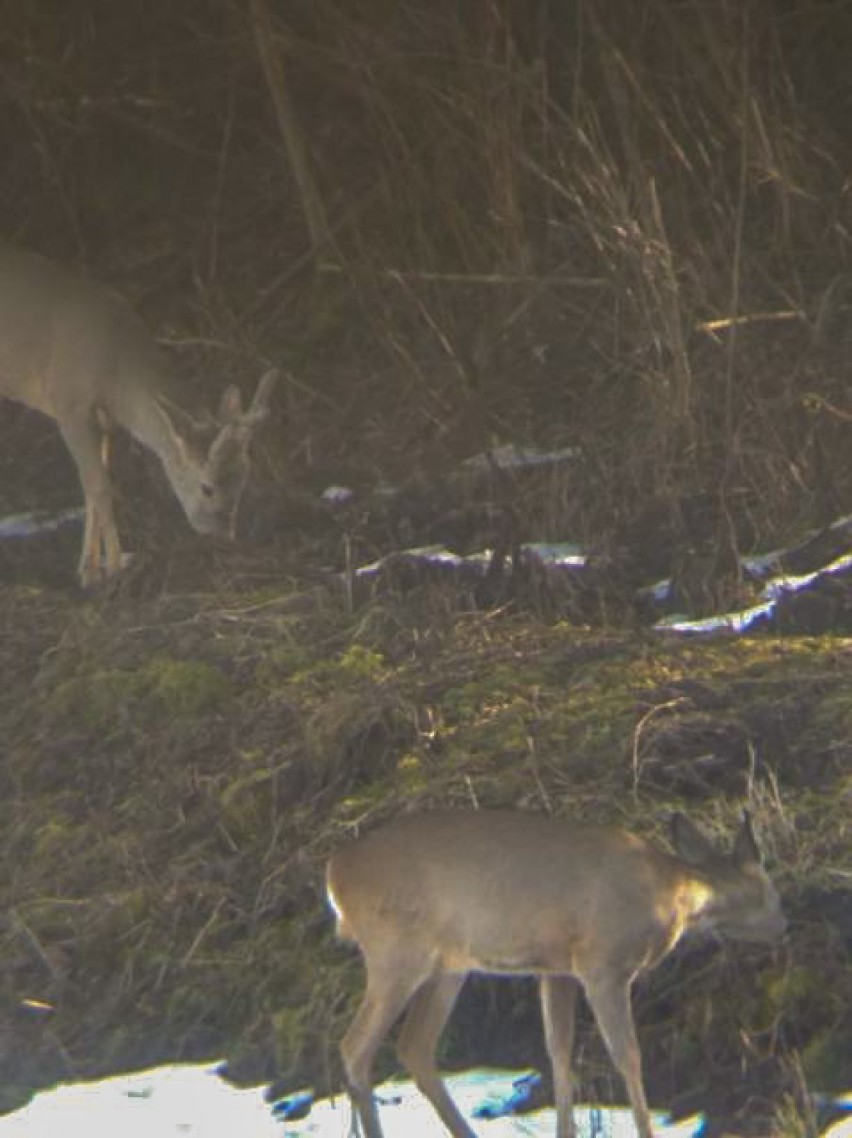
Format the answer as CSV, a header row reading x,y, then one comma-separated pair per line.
x,y
194,1102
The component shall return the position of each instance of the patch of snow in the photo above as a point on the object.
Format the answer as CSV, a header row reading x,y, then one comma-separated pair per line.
x,y
193,1101
337,495
564,554
794,584
724,622
28,525
512,457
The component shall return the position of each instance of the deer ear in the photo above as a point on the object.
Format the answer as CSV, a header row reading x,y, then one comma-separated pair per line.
x,y
746,850
690,843
259,408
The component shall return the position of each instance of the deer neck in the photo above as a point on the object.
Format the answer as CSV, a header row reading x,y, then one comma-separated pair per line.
x,y
682,902
141,407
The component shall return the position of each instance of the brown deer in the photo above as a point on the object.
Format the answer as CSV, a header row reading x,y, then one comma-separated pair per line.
x,y
434,896
73,350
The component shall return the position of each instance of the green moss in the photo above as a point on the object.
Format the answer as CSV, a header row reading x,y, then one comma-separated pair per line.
x,y
832,713
184,688
245,801
99,699
355,663
411,775
362,663
52,838
799,989
291,1028
105,699
825,1059
128,909
279,663
530,710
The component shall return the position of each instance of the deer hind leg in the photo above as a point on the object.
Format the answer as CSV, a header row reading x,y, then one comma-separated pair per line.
x,y
427,1014
389,989
101,555
558,996
610,1001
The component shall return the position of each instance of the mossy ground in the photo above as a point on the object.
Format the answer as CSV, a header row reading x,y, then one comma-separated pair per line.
x,y
177,770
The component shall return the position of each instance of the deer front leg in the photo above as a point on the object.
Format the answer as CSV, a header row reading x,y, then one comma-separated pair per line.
x,y
558,996
609,997
101,555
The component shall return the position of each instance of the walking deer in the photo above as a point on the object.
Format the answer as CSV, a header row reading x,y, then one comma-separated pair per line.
x,y
434,896
73,350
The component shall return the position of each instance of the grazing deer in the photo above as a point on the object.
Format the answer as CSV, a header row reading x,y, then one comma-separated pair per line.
x,y
76,352
434,896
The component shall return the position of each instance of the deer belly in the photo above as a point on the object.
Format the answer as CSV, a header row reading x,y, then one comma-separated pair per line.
x,y
521,951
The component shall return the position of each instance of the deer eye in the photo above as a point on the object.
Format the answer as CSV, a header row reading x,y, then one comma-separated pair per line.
x,y
206,489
